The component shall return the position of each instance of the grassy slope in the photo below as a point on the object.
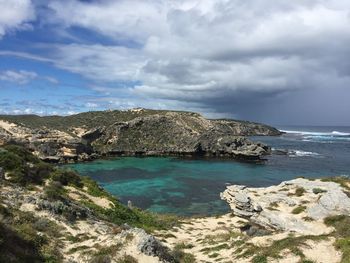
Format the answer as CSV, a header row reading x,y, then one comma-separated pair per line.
x,y
19,230
90,119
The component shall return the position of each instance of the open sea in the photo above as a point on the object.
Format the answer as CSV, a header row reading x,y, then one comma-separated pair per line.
x,y
193,186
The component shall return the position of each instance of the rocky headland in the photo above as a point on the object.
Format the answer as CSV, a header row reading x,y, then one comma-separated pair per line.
x,y
89,135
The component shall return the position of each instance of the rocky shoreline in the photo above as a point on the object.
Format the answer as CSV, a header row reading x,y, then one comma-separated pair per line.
x,y
302,220
137,132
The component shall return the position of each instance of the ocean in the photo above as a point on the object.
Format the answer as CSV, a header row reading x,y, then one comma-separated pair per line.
x,y
192,186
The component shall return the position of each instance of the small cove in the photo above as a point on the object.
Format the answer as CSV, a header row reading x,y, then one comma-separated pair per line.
x,y
193,186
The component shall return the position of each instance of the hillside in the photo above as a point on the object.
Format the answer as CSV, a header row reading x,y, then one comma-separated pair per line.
x,y
93,119
48,214
134,132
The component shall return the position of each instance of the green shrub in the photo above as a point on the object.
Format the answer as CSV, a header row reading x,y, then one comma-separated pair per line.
x,y
10,161
344,181
183,245
341,223
182,257
120,214
31,174
344,245
4,211
214,255
93,188
318,191
25,155
42,224
127,259
54,191
259,259
15,248
66,177
300,191
298,210
23,167
101,259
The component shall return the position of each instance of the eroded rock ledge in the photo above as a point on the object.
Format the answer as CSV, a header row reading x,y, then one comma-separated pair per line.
x,y
297,221
299,205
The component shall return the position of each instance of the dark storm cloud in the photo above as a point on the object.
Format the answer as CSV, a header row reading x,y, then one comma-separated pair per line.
x,y
247,59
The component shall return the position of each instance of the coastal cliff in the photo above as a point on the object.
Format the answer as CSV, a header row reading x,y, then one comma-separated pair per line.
x,y
134,132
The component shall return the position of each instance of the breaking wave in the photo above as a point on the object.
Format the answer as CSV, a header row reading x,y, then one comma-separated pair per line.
x,y
308,136
333,133
298,153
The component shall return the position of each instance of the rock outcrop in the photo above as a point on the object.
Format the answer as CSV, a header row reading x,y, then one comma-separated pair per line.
x,y
298,205
149,245
143,132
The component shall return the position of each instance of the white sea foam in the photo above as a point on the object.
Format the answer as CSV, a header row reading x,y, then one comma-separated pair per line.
x,y
325,138
340,133
299,153
333,133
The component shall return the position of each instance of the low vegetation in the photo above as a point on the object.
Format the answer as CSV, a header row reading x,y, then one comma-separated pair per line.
x,y
181,256
105,254
126,259
27,238
88,120
299,191
341,225
299,209
67,177
318,191
344,181
23,167
291,243
29,170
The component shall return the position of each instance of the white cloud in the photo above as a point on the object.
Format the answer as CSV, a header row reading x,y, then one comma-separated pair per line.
x,y
22,77
50,79
207,54
15,15
103,63
19,77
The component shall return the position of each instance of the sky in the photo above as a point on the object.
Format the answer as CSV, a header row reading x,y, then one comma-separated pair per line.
x,y
279,62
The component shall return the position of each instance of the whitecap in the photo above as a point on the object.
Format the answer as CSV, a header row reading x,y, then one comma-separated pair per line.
x,y
333,133
340,133
327,138
299,153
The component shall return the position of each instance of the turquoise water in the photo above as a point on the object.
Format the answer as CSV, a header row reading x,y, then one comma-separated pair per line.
x,y
193,186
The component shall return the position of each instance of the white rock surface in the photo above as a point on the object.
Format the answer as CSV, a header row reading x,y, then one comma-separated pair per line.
x,y
272,207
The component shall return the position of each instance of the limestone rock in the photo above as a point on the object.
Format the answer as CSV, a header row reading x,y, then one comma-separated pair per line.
x,y
272,207
149,245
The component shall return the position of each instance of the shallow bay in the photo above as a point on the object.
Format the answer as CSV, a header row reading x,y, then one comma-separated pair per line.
x,y
193,186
